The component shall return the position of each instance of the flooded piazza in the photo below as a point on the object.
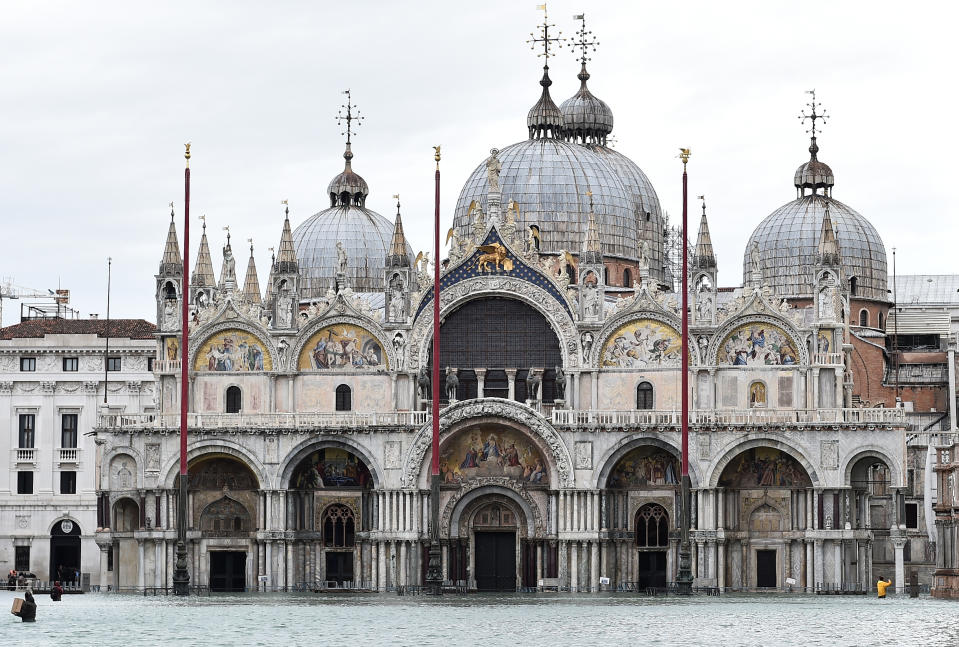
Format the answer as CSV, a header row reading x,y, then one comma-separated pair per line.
x,y
487,619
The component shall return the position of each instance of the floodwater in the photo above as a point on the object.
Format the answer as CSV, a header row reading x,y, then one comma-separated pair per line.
x,y
496,619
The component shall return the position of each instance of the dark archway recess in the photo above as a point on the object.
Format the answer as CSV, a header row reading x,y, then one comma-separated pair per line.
x,y
65,551
496,334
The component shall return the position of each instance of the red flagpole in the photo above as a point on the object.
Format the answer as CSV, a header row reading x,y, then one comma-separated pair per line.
x,y
434,573
684,576
436,323
185,317
181,575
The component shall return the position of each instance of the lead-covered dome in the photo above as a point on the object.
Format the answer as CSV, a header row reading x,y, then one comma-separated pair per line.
x,y
586,118
549,179
788,241
364,234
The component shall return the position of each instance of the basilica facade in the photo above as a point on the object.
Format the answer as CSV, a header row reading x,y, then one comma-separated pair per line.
x,y
309,442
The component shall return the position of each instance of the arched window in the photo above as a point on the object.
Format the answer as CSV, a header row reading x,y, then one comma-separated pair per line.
x,y
757,395
853,285
606,275
652,526
169,291
234,399
627,278
339,527
864,318
879,321
344,398
644,396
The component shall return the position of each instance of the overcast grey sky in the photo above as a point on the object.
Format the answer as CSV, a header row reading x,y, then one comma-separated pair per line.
x,y
98,99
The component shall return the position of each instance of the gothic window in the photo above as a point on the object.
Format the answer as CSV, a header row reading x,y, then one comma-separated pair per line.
x,y
652,526
644,396
627,278
234,399
339,526
344,398
864,318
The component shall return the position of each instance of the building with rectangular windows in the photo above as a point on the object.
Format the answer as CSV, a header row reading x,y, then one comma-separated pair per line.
x,y
52,387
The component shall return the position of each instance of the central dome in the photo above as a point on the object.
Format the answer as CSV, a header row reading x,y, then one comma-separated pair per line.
x,y
549,179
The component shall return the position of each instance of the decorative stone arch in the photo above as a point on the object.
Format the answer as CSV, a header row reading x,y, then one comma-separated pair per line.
x,y
201,448
452,298
211,329
771,440
466,412
871,451
480,488
114,516
617,321
310,445
66,516
798,338
748,511
631,442
125,450
318,323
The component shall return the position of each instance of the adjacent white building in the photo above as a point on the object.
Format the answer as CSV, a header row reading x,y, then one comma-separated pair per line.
x,y
52,386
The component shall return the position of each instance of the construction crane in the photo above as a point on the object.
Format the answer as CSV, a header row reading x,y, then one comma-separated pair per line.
x,y
10,291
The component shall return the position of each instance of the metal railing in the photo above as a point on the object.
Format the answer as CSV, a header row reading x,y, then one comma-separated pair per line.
x,y
723,417
254,421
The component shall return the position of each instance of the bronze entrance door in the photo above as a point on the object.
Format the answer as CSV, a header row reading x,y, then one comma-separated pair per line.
x,y
766,568
652,569
496,561
227,571
339,567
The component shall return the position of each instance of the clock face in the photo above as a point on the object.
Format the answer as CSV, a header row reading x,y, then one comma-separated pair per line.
x,y
66,526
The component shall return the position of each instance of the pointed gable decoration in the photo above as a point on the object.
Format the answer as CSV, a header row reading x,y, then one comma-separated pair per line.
x,y
251,286
203,273
172,263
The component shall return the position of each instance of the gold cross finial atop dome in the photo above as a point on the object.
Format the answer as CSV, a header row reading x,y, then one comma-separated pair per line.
x,y
349,117
584,42
544,36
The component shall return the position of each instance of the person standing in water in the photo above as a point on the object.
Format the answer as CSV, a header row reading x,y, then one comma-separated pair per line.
x,y
881,586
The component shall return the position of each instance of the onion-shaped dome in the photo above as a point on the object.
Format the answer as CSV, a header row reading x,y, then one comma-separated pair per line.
x,y
544,118
644,203
586,119
788,241
348,187
814,175
364,234
549,180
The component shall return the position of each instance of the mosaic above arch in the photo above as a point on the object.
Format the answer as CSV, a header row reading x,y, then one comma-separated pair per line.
x,y
331,467
644,466
758,344
492,451
344,347
764,467
232,350
642,343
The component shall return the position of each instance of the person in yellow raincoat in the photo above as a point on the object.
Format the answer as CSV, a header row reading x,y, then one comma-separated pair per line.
x,y
881,587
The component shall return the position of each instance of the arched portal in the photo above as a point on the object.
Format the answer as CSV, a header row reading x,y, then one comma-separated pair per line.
x,y
870,478
330,494
65,551
652,542
766,504
226,504
500,334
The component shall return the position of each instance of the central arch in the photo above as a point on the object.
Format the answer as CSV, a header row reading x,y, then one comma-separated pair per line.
x,y
492,411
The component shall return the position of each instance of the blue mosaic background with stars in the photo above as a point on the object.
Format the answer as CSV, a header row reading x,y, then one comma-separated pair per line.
x,y
468,269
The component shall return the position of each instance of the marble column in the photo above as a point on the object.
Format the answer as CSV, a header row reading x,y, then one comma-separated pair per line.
x,y
818,565
899,543
511,381
141,567
721,566
593,566
158,563
104,564
480,381
574,566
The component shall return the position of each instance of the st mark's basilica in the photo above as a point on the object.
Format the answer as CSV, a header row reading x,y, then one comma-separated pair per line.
x,y
309,430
